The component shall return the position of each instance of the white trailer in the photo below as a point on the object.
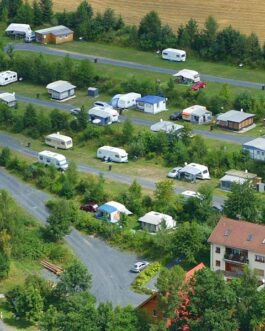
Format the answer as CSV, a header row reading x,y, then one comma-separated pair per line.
x,y
194,170
123,101
7,77
49,158
114,154
173,54
58,140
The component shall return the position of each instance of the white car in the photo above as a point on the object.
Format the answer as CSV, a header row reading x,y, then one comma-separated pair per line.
x,y
174,172
139,266
191,194
75,111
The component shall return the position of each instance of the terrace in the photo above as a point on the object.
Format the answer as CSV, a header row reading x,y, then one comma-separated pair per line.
x,y
236,255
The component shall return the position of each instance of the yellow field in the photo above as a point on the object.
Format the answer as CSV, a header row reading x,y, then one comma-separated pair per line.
x,y
246,15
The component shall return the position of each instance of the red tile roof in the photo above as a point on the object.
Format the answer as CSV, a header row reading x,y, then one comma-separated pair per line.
x,y
239,234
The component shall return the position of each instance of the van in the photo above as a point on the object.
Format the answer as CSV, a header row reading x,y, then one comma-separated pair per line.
x,y
114,154
49,158
58,140
173,54
29,38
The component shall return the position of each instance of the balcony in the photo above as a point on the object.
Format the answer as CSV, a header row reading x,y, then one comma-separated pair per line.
x,y
236,258
230,274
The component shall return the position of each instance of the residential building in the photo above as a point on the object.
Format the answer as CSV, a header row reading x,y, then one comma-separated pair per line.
x,y
61,90
235,120
235,244
152,221
151,104
236,176
8,99
186,76
55,35
256,149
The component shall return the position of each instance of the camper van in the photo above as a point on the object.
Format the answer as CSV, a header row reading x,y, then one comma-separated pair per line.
x,y
58,140
114,154
123,101
50,158
173,54
7,77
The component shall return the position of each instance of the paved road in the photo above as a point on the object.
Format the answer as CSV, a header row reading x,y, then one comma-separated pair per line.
x,y
79,56
109,267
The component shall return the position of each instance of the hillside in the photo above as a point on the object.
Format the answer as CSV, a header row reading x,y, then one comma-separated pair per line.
x,y
245,15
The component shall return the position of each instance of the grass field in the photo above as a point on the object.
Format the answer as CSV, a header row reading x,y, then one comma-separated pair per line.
x,y
245,15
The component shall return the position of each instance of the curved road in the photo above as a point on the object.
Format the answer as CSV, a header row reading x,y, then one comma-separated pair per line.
x,y
127,64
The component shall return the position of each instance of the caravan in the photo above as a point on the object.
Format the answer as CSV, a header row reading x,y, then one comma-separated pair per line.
x,y
58,140
194,171
123,101
173,54
114,154
54,159
7,77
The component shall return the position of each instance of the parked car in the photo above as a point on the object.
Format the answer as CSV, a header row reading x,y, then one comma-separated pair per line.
x,y
197,86
139,266
90,206
175,116
75,111
191,194
102,104
174,172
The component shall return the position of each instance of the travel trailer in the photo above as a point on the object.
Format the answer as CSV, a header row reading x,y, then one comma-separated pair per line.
x,y
49,158
173,54
114,154
123,101
193,171
58,140
103,115
7,77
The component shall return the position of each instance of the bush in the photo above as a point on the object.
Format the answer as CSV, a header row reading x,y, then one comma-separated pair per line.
x,y
138,285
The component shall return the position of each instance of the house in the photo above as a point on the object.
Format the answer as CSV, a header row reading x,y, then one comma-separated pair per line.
x,y
235,120
108,213
55,35
201,116
151,104
153,221
16,29
235,244
103,116
9,99
236,176
166,126
61,90
186,76
150,306
256,149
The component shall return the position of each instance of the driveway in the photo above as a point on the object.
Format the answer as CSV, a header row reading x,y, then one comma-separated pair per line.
x,y
109,267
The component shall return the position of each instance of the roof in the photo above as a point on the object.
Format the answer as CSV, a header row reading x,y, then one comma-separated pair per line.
x,y
239,234
55,30
192,271
193,109
174,50
190,170
241,174
154,218
52,154
234,116
8,72
166,126
200,112
107,208
120,207
151,99
233,179
18,27
99,111
186,73
113,149
258,143
60,86
8,97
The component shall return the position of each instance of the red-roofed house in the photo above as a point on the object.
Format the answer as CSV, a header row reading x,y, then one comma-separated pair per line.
x,y
235,244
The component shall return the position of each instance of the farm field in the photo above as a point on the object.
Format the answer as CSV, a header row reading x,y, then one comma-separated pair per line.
x,y
245,15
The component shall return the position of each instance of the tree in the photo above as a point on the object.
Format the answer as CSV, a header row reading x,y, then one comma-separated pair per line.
x,y
95,190
149,32
127,132
84,74
25,13
244,101
132,198
82,118
242,202
164,196
30,117
4,265
208,37
43,123
58,120
37,14
225,95
5,156
46,10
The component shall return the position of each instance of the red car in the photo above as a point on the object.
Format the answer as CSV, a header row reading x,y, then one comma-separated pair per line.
x,y
197,86
91,207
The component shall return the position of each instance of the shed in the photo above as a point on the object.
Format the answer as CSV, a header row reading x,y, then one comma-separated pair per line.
x,y
235,120
56,35
201,116
235,176
152,221
103,116
9,99
186,113
61,90
186,76
108,213
93,92
151,104
256,149
17,29
166,126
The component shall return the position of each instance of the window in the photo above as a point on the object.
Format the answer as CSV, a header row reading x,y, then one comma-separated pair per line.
x,y
217,250
217,263
260,258
41,157
154,313
259,272
48,160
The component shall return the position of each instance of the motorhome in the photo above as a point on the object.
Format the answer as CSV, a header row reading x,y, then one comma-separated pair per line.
x,y
173,54
114,154
49,158
58,140
7,77
123,101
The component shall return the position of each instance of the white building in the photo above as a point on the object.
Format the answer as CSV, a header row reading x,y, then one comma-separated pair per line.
x,y
186,76
235,244
61,90
152,221
256,149
8,98
151,104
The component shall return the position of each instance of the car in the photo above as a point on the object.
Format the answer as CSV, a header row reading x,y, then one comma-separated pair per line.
x,y
139,266
175,116
90,206
191,194
174,172
197,86
75,111
102,104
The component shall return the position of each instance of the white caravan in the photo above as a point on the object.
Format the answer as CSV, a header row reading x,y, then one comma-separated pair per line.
x,y
123,101
114,154
55,159
194,170
173,54
7,77
58,140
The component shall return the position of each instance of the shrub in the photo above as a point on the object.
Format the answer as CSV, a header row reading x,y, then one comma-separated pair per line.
x,y
138,285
